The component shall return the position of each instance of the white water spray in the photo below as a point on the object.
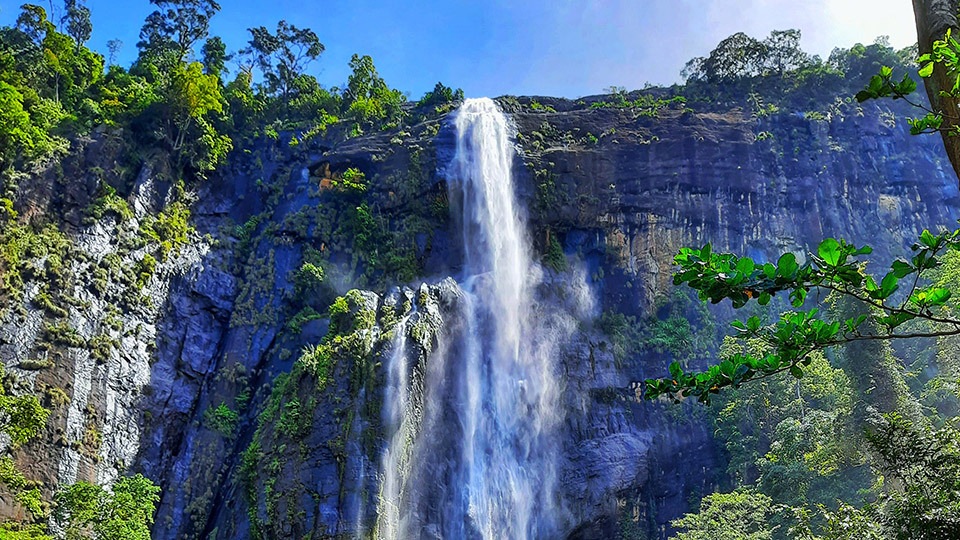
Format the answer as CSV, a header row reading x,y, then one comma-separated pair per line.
x,y
484,461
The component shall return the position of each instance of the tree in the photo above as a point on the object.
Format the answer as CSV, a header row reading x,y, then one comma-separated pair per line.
x,y
78,22
934,18
246,106
782,51
740,515
21,418
16,531
735,57
113,46
20,136
720,276
215,57
834,268
176,26
123,95
283,56
440,97
193,96
87,510
860,62
367,99
905,303
32,22
70,70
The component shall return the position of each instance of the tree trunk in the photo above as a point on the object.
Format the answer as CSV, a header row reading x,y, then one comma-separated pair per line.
x,y
934,18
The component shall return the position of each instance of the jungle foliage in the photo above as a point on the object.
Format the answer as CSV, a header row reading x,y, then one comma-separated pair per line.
x,y
833,432
177,95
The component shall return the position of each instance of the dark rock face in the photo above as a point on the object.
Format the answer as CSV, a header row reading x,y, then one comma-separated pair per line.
x,y
621,192
654,185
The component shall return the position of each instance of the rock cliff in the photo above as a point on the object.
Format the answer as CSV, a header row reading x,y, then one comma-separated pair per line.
x,y
177,366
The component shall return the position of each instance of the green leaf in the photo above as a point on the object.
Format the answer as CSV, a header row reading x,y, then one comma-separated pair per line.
x,y
928,239
888,286
831,330
796,371
896,319
850,324
907,86
829,251
727,368
924,260
886,72
764,298
865,95
772,361
798,297
745,266
850,274
932,297
901,268
742,372
787,266
938,296
675,370
753,324
926,70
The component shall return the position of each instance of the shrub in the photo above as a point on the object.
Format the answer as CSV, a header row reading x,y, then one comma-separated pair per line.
x,y
351,182
222,419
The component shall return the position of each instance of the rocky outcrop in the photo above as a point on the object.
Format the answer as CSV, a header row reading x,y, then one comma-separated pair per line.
x,y
85,332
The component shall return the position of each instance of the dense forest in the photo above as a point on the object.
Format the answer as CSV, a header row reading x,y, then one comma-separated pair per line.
x,y
838,418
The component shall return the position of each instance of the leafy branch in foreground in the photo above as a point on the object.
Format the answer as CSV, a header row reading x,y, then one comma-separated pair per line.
x,y
945,52
895,299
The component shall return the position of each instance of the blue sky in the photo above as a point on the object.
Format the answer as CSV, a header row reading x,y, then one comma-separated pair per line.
x,y
526,47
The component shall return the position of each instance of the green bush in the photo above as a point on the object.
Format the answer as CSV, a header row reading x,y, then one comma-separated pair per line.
x,y
222,419
308,279
145,269
292,422
109,202
171,228
302,317
554,257
351,182
317,360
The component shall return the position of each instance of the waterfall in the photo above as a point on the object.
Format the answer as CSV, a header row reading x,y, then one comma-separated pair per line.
x,y
397,414
483,461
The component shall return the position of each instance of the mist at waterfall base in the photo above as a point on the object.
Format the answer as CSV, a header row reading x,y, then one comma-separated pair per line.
x,y
471,449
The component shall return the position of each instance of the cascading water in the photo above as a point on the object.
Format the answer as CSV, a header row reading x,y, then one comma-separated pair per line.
x,y
483,462
396,458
